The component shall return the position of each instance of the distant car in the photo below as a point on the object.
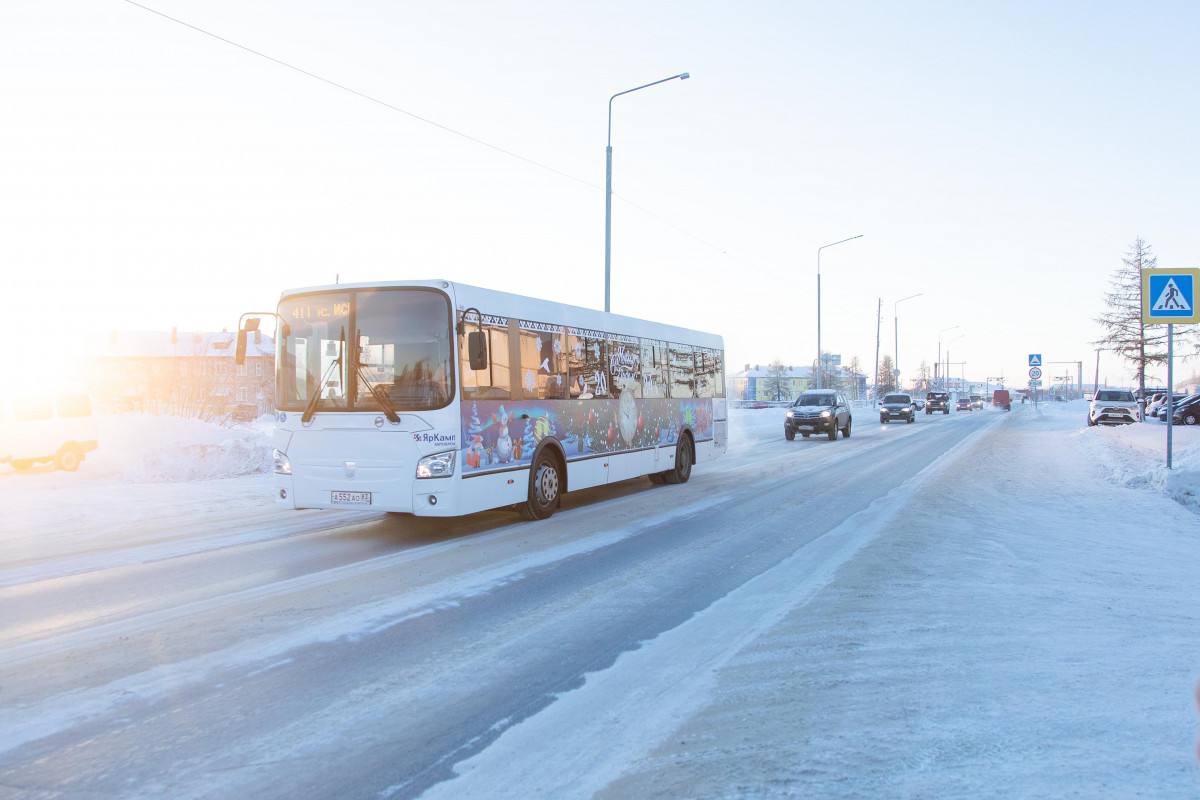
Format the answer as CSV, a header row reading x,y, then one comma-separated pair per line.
x,y
758,404
897,406
964,404
818,411
937,401
244,412
977,401
1112,407
1002,399
41,429
1188,412
920,403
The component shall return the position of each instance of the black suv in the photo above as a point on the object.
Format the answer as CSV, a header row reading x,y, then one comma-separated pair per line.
x,y
937,401
818,411
897,406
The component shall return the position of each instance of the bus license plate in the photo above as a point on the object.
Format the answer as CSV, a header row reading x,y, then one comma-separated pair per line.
x,y
350,498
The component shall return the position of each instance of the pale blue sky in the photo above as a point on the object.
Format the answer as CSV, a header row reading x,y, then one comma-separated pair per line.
x,y
999,157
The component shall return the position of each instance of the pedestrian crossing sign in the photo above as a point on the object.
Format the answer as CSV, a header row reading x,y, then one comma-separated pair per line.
x,y
1035,359
1169,295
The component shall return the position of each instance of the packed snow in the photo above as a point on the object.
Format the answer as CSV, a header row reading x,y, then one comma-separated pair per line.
x,y
148,448
1136,456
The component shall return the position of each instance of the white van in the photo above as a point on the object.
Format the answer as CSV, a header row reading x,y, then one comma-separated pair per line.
x,y
41,429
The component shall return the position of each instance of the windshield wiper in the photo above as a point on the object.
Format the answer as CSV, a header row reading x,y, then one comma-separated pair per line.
x,y
377,392
310,410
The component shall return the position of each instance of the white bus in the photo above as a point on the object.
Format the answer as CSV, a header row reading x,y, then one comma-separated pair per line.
x,y
440,399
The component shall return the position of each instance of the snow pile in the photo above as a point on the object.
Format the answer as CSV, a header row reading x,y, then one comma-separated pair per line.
x,y
143,448
1136,456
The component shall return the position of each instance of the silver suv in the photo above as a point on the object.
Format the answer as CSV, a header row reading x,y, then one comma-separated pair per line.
x,y
1112,407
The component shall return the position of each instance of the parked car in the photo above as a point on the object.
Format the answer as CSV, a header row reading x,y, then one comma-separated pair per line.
x,y
937,401
1002,399
45,429
1188,412
977,401
1158,404
897,406
963,404
1112,407
818,411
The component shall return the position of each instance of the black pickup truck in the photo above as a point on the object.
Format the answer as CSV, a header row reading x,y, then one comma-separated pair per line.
x,y
937,401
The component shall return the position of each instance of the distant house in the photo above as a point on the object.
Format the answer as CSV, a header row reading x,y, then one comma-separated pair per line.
x,y
186,374
760,382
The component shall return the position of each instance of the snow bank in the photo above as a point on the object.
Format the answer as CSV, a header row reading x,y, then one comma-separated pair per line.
x,y
143,448
1136,456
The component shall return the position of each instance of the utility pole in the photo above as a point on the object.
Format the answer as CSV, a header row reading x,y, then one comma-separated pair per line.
x,y
878,322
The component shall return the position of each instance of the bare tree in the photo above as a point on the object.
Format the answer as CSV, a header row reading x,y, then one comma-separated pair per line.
x,y
777,385
855,371
1124,332
887,376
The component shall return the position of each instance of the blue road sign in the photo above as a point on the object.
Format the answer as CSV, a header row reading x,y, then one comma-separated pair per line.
x,y
1170,296
1035,359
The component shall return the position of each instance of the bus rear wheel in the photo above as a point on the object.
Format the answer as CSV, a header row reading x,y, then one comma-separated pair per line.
x,y
545,488
684,458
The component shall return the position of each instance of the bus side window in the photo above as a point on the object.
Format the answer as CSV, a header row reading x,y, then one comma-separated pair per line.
x,y
625,367
543,366
705,366
655,371
587,375
719,371
491,383
683,371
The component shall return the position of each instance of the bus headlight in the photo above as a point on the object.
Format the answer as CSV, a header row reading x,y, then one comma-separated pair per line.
x,y
438,465
282,465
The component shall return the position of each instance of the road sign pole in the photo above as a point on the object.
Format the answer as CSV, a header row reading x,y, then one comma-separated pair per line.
x,y
1170,387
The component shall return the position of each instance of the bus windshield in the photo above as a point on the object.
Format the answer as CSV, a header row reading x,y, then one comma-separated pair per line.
x,y
344,345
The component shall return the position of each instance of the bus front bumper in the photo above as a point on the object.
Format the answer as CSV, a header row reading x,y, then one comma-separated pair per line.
x,y
432,497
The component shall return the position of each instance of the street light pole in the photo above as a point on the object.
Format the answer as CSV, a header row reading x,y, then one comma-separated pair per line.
x,y
896,341
683,76
820,363
939,361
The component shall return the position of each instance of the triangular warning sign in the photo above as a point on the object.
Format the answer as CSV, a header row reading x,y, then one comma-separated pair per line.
x,y
1171,299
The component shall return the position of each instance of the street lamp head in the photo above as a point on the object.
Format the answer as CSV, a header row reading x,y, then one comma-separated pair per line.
x,y
683,76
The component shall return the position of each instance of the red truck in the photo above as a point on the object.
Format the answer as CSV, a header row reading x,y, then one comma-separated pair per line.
x,y
1002,398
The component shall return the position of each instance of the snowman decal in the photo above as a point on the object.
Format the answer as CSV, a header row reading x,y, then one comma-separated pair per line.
x,y
504,443
627,416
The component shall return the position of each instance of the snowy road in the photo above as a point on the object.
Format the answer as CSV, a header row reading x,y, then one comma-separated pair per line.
x,y
198,643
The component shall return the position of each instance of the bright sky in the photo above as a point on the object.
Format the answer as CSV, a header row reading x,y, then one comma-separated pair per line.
x,y
998,157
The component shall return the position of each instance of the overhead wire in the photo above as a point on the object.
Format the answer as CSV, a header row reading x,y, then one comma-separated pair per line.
x,y
425,120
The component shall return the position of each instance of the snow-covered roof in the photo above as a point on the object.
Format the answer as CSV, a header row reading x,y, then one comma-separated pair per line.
x,y
157,344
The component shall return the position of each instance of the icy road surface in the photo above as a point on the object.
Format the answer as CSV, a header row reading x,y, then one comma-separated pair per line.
x,y
964,606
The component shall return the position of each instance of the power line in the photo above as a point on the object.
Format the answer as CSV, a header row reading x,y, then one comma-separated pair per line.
x,y
365,96
426,120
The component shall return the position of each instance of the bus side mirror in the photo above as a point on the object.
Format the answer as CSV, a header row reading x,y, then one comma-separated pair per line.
x,y
239,355
477,350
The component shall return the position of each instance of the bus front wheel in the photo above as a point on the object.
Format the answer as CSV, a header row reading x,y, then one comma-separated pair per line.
x,y
545,488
